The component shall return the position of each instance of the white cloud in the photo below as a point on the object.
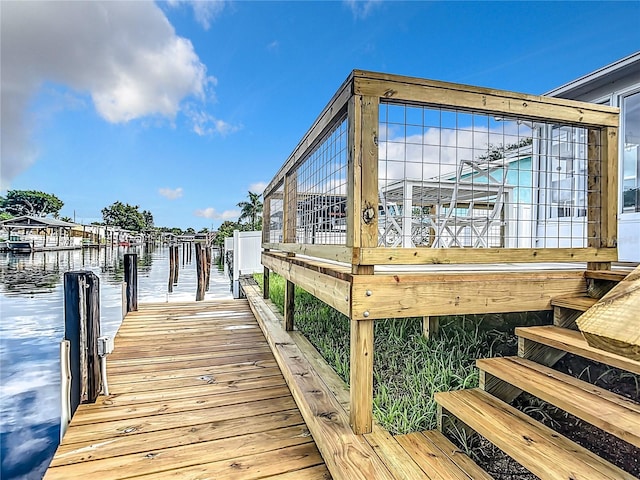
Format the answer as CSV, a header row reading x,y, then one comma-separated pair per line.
x,y
258,187
125,55
361,8
204,11
438,152
213,214
273,45
170,194
206,124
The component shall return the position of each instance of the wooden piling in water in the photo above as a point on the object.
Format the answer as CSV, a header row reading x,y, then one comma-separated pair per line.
x,y
207,276
200,271
172,268
82,329
131,280
176,262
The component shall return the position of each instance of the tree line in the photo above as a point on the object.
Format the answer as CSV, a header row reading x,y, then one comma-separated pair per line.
x,y
129,217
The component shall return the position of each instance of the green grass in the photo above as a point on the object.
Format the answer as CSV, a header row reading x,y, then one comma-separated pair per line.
x,y
408,368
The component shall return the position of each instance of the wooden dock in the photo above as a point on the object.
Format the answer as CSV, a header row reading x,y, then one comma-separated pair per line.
x,y
195,393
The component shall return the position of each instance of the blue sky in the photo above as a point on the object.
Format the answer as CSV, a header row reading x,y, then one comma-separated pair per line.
x,y
182,107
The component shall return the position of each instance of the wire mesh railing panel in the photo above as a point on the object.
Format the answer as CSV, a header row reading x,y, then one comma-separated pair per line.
x,y
320,184
276,216
451,178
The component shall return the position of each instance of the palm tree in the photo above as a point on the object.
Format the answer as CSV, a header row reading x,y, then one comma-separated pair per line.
x,y
251,210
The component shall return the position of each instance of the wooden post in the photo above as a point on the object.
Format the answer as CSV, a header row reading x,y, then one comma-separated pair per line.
x,y
200,272
265,284
289,305
290,205
361,376
266,220
362,231
172,267
430,326
82,329
131,279
209,255
602,191
176,263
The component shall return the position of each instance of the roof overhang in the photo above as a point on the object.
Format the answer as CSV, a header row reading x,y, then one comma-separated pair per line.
x,y
606,75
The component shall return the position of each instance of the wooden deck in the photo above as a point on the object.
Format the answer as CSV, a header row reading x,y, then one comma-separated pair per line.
x,y
195,393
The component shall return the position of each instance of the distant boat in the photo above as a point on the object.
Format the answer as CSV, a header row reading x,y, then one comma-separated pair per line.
x,y
19,246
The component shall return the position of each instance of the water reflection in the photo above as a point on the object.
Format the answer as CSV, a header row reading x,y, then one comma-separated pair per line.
x,y
32,326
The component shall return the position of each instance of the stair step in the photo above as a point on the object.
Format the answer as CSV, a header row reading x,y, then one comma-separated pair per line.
x,y
573,342
597,406
439,458
536,447
611,275
581,303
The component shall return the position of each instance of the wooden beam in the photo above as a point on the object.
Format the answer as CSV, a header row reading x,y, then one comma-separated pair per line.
x,y
420,294
361,376
486,100
427,256
331,290
338,253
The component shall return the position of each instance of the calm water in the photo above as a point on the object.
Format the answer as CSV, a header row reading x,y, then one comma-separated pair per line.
x,y
32,326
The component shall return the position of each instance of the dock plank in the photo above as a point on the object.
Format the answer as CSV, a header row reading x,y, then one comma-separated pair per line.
x,y
195,392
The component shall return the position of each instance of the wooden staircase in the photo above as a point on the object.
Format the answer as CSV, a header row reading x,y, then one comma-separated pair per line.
x,y
541,450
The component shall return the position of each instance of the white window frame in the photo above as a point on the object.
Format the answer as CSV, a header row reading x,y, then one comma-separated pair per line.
x,y
618,97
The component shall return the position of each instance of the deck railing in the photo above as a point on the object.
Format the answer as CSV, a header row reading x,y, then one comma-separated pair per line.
x,y
400,170
404,171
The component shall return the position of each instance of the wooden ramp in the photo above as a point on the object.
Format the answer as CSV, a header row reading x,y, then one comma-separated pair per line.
x,y
195,393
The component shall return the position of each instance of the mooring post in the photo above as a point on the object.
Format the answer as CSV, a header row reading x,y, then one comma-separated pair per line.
x,y
207,274
82,329
131,279
176,263
172,267
200,266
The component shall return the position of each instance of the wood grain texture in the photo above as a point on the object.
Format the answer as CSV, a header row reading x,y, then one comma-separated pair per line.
x,y
331,290
410,89
607,411
538,448
404,294
613,323
216,408
347,455
445,256
573,342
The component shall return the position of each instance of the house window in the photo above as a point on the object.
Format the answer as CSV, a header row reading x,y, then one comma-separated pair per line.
x,y
631,153
568,173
